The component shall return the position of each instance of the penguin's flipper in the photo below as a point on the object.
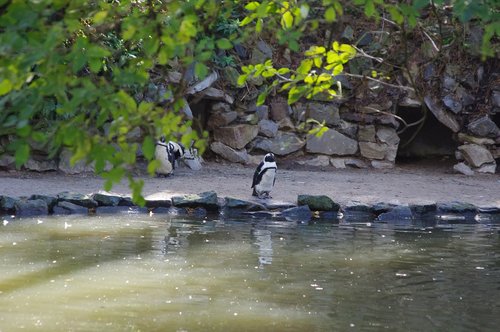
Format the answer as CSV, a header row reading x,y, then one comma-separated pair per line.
x,y
257,176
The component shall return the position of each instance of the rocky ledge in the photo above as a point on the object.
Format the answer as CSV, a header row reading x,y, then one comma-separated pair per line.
x,y
307,208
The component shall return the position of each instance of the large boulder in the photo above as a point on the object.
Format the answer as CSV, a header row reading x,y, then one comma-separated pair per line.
x,y
324,112
455,207
268,128
221,119
331,143
7,204
279,109
484,127
261,53
31,208
453,103
366,133
78,199
66,167
372,150
107,199
388,135
159,199
476,155
40,165
282,144
236,136
444,116
318,202
318,161
228,153
207,200
397,213
65,207
297,214
50,200
463,168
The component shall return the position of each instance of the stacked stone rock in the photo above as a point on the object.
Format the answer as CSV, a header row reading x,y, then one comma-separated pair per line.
x,y
479,137
480,147
361,142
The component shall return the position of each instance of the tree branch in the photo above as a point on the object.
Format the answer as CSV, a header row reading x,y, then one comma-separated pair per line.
x,y
407,88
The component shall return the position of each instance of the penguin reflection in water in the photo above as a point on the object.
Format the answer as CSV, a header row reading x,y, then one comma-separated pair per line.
x,y
167,153
264,177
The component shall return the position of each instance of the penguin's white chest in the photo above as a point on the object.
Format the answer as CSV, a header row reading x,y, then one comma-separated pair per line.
x,y
161,155
267,182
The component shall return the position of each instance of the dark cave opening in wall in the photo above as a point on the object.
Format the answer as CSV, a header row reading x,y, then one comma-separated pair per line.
x,y
433,142
495,117
200,109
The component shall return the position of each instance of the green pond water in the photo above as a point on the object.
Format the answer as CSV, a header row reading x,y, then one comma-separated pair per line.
x,y
153,273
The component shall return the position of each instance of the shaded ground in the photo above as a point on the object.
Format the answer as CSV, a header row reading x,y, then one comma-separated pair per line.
x,y
413,183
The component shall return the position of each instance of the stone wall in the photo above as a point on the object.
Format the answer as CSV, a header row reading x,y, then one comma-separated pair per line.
x,y
238,133
364,125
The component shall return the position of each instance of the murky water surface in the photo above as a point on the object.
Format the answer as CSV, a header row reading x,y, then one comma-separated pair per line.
x,y
131,273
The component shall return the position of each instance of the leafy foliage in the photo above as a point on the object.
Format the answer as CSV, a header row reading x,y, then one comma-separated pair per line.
x,y
316,73
485,11
72,73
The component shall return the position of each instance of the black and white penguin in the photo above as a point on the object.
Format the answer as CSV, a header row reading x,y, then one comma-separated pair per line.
x,y
167,154
264,177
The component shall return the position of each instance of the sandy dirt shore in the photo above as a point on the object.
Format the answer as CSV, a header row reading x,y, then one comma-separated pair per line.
x,y
404,184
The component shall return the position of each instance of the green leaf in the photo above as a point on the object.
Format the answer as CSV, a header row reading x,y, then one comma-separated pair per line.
x,y
187,30
332,57
252,6
305,66
330,14
136,187
318,61
22,154
153,165
126,100
370,8
246,21
315,50
287,20
241,80
5,87
148,147
395,14
100,16
95,65
79,62
151,45
295,94
262,98
337,69
224,44
318,131
283,71
338,7
95,51
347,49
200,70
258,26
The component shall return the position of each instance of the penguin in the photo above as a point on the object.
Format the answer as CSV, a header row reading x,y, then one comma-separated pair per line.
x,y
167,154
264,177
